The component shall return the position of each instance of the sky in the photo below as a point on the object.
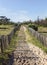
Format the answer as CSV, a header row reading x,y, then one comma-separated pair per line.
x,y
23,10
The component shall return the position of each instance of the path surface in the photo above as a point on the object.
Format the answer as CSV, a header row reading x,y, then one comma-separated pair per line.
x,y
27,54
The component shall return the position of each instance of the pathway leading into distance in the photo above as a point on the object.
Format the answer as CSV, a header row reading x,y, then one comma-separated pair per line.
x,y
25,54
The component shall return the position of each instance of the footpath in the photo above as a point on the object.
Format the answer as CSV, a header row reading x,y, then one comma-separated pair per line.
x,y
27,53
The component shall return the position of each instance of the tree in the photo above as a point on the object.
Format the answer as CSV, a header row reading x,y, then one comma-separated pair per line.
x,y
4,20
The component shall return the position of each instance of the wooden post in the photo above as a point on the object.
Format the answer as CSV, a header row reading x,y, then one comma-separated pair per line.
x,y
1,46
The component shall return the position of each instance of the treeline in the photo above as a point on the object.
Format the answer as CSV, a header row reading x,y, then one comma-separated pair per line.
x,y
4,20
42,22
27,22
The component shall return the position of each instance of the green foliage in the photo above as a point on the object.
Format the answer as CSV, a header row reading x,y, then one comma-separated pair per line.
x,y
30,25
35,27
5,21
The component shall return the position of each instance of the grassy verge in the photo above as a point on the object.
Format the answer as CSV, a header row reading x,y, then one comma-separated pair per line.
x,y
33,40
6,29
10,48
13,44
42,29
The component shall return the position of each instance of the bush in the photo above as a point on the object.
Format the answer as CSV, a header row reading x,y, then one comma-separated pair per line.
x,y
30,25
35,27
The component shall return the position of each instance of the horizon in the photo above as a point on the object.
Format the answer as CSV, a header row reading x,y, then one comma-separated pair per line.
x,y
23,10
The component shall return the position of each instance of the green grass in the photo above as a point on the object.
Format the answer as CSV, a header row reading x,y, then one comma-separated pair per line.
x,y
36,42
13,44
6,31
42,29
10,48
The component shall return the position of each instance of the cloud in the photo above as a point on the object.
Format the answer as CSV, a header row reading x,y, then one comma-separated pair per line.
x,y
20,15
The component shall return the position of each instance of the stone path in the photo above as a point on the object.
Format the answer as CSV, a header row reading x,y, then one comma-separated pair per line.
x,y
25,53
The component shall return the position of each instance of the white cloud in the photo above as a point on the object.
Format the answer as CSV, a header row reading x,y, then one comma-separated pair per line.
x,y
21,15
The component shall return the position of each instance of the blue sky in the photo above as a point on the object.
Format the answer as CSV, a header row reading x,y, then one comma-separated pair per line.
x,y
21,10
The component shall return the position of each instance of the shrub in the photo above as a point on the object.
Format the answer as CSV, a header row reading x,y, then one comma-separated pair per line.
x,y
35,27
30,25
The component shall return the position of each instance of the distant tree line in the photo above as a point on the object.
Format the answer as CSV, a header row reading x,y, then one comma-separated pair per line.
x,y
42,22
4,20
27,22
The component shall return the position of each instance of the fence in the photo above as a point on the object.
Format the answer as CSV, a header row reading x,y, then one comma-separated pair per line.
x,y
5,39
40,37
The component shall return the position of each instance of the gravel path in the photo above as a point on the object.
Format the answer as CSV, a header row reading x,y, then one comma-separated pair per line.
x,y
26,53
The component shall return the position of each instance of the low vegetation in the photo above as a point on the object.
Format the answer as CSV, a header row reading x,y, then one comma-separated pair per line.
x,y
33,40
10,48
42,29
13,44
6,29
6,26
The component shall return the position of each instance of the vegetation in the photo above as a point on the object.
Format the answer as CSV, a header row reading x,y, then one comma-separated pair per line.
x,y
12,45
38,25
10,48
35,27
6,29
26,22
42,29
4,20
42,22
33,40
6,26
